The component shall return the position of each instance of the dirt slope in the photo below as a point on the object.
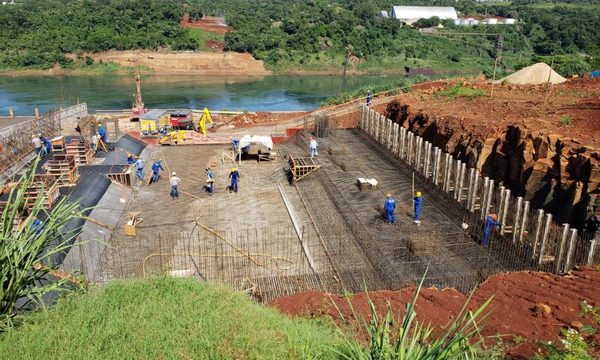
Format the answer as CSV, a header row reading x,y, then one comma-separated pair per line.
x,y
518,309
187,62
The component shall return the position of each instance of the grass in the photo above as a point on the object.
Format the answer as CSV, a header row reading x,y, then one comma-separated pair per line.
x,y
165,318
459,90
565,120
202,36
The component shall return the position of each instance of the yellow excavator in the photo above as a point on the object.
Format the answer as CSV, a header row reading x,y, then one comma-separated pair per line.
x,y
179,136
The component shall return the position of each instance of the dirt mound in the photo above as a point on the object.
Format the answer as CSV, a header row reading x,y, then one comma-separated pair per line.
x,y
533,75
261,117
527,307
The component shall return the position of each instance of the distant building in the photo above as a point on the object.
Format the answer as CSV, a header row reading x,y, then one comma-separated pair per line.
x,y
481,20
411,14
384,14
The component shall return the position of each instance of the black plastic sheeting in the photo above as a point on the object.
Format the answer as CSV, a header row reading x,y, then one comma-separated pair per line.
x,y
118,151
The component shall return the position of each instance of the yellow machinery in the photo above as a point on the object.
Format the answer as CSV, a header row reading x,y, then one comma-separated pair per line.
x,y
202,122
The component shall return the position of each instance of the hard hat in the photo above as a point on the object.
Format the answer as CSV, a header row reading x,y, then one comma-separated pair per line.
x,y
173,174
233,169
419,194
388,195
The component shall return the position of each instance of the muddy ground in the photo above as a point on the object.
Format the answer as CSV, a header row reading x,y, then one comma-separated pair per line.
x,y
527,309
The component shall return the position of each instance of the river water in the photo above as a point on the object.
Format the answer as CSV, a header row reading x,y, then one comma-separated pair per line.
x,y
109,92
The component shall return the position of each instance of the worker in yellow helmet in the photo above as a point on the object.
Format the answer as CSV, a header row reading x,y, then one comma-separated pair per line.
x,y
418,202
234,175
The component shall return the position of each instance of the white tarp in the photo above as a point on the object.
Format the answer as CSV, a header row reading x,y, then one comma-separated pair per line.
x,y
256,139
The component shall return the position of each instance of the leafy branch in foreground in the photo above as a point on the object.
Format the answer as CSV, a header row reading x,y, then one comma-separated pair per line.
x,y
414,340
30,239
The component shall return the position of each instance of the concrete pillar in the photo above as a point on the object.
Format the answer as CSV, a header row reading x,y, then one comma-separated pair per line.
x,y
390,134
402,142
501,204
571,251
475,191
11,113
457,179
436,165
505,208
523,221
484,196
489,196
545,238
382,133
445,172
470,188
463,174
376,133
558,258
538,229
418,147
395,146
517,221
409,148
591,251
37,112
427,159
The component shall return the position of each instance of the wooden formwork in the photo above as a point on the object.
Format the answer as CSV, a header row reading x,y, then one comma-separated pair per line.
x,y
42,185
64,172
302,166
81,152
124,177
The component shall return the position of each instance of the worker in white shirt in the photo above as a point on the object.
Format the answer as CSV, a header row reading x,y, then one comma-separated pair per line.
x,y
174,183
37,143
312,147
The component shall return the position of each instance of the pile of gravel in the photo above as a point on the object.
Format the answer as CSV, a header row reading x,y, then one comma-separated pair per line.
x,y
534,74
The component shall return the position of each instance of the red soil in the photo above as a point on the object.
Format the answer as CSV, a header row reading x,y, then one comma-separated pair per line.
x,y
513,311
208,23
579,99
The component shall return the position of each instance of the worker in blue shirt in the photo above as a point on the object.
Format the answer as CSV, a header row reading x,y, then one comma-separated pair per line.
x,y
139,164
156,167
418,200
490,222
102,133
47,144
210,181
389,206
130,159
234,175
369,98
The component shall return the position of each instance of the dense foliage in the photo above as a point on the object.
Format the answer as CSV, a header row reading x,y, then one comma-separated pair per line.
x,y
310,34
38,33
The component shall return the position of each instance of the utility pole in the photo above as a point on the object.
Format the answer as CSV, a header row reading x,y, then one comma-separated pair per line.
x,y
497,61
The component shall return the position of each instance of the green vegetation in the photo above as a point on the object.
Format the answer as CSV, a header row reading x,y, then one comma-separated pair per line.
x,y
589,310
565,120
27,246
572,347
390,88
414,339
460,90
166,318
310,35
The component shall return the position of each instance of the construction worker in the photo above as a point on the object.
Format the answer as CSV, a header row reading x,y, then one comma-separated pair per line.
x,y
369,98
130,158
418,201
38,145
94,144
210,181
174,183
312,147
490,222
47,144
234,175
156,167
139,164
235,144
389,206
102,133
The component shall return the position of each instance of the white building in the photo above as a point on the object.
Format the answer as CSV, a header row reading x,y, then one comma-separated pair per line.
x,y
411,14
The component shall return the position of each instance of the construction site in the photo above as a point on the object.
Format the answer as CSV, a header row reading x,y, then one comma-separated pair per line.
x,y
300,224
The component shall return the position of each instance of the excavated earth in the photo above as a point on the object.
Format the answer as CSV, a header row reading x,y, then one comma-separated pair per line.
x,y
541,142
527,309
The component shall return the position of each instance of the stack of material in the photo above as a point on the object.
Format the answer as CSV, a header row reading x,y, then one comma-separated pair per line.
x,y
81,152
534,74
129,227
64,171
366,184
